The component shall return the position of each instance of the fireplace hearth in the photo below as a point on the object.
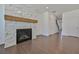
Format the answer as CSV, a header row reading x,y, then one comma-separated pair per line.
x,y
23,35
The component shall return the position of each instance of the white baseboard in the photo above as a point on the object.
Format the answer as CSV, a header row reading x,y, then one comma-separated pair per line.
x,y
45,34
49,34
69,34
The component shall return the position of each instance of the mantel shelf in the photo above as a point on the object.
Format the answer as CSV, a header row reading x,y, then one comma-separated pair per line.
x,y
19,19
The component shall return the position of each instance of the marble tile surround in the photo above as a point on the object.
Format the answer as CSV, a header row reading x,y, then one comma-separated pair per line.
x,y
12,26
10,31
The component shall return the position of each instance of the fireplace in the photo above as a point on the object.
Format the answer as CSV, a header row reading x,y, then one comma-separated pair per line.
x,y
23,35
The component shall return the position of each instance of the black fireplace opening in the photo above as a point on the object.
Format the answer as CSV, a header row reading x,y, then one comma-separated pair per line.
x,y
23,35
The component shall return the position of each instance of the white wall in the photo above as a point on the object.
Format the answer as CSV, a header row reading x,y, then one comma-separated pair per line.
x,y
2,24
40,24
70,23
48,24
44,22
52,24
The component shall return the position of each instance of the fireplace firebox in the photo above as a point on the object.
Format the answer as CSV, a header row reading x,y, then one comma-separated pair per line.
x,y
23,35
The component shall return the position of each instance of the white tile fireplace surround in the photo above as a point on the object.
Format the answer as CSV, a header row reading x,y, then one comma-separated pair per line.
x,y
10,28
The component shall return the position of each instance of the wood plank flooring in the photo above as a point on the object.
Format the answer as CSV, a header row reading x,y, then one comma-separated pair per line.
x,y
45,45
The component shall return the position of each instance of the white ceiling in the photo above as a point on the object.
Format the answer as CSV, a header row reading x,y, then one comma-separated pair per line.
x,y
42,7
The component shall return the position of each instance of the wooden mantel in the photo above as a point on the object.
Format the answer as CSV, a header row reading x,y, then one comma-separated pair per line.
x,y
19,19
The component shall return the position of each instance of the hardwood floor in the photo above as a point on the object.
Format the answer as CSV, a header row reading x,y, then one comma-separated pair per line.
x,y
45,45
